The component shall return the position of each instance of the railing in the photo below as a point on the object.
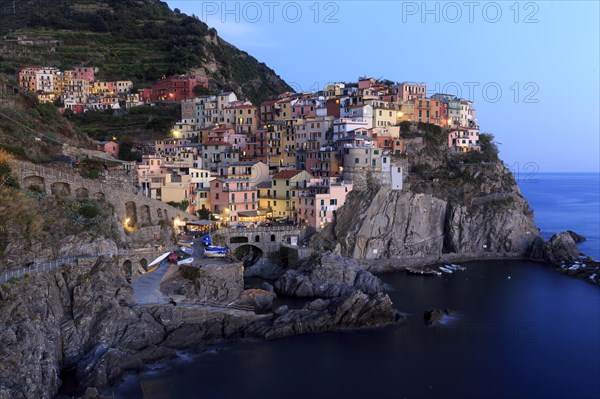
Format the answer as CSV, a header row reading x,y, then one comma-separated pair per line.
x,y
37,267
228,231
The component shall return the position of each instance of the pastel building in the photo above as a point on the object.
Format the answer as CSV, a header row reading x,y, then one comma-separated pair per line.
x,y
279,197
407,91
464,140
151,175
316,207
232,199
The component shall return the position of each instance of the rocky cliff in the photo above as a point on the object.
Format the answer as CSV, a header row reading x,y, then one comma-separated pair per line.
x,y
84,318
447,206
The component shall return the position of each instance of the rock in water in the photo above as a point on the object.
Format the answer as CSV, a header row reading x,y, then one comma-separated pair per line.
x,y
264,268
260,300
329,276
434,316
576,237
561,247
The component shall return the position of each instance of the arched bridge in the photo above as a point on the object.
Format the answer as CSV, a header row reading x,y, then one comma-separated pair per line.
x,y
267,239
125,202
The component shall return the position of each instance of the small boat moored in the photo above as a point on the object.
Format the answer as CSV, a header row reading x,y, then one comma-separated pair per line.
x,y
187,250
445,270
186,261
216,252
159,259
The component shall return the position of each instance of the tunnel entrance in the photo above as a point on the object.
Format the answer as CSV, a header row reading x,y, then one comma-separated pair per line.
x,y
248,254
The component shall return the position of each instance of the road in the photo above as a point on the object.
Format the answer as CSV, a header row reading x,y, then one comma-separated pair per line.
x,y
146,288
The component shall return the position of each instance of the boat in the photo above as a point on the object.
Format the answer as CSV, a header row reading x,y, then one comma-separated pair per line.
x,y
451,267
459,267
442,268
186,261
423,272
159,259
215,252
187,250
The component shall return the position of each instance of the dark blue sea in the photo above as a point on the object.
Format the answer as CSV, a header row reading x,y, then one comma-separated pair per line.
x,y
533,335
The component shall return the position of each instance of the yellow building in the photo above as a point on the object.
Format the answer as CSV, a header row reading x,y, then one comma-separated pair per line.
x,y
385,113
288,143
279,197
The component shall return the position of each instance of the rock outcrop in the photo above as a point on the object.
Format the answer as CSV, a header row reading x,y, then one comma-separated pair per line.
x,y
432,317
560,248
85,318
483,213
328,276
355,309
264,268
259,300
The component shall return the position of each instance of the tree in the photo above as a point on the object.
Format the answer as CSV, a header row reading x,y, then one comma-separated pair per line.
x,y
405,126
205,214
489,148
200,90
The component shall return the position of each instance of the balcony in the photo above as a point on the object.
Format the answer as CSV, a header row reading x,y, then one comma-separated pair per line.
x,y
238,188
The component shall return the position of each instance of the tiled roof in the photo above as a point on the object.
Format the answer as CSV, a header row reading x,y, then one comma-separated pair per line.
x,y
265,184
287,174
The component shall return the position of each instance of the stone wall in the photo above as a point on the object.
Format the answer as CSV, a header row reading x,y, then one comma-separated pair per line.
x,y
137,209
220,282
267,239
291,256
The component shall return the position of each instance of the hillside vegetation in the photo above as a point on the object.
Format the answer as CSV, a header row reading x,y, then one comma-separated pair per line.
x,y
139,40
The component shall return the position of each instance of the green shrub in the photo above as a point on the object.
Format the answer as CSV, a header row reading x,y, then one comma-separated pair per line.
x,y
89,211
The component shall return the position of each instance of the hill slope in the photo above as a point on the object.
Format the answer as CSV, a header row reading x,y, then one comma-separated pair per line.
x,y
140,40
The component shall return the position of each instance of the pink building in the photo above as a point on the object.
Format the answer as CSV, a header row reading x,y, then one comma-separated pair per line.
x,y
232,198
464,140
304,109
151,175
84,73
316,208
366,83
111,148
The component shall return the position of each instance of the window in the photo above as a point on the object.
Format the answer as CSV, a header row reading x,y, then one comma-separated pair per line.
x,y
322,202
355,160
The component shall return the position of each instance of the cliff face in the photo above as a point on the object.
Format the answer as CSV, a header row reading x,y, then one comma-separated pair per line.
x,y
465,210
83,317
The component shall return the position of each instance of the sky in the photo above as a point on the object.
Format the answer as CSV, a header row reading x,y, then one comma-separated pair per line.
x,y
531,67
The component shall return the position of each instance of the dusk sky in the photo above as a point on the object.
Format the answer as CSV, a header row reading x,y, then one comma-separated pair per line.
x,y
532,68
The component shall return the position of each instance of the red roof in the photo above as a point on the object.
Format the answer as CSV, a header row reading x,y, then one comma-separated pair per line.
x,y
286,174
